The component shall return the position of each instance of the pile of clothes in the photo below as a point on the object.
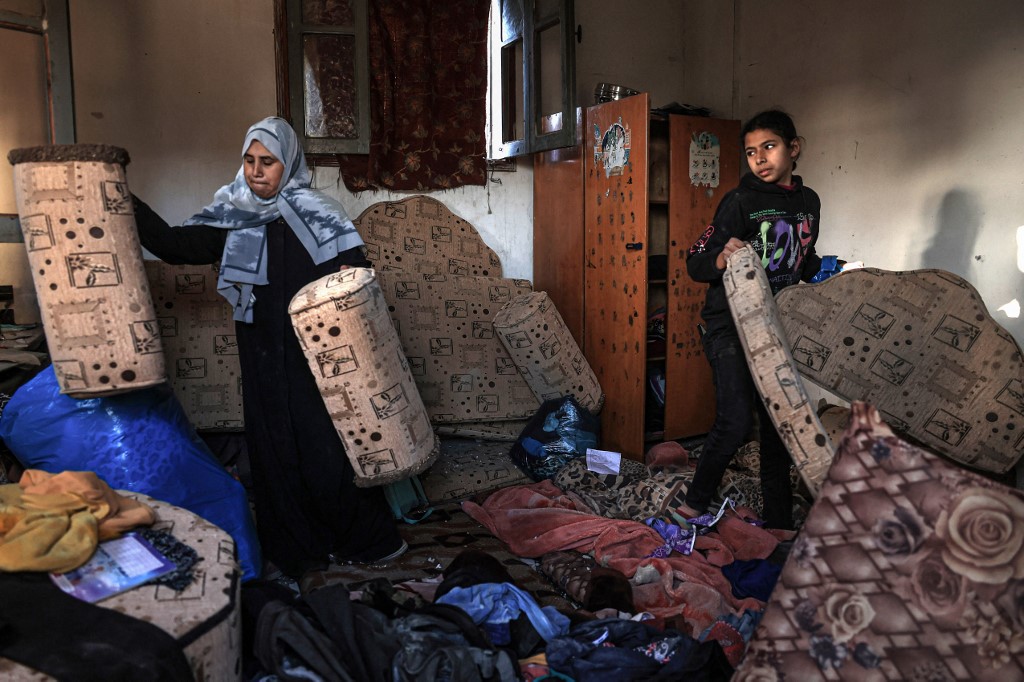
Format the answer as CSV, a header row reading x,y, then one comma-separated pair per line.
x,y
479,625
656,595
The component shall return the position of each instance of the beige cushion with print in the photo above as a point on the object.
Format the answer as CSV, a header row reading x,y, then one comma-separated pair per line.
x,y
76,213
772,367
921,347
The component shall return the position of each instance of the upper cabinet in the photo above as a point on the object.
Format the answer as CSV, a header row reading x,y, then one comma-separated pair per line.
x,y
533,81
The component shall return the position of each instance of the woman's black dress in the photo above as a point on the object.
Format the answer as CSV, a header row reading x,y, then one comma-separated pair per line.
x,y
307,504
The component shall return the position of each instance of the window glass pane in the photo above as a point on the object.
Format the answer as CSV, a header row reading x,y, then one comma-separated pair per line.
x,y
511,19
329,12
512,92
329,83
549,71
26,8
22,70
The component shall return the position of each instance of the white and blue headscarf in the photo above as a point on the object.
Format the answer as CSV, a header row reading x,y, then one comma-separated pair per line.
x,y
319,221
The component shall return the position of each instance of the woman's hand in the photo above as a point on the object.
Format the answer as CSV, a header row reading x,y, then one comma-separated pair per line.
x,y
731,247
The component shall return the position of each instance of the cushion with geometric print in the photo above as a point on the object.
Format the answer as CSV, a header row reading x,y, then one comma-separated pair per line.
x,y
922,348
468,467
907,568
773,368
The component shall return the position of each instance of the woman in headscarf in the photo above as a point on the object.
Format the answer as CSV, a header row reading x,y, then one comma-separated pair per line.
x,y
272,235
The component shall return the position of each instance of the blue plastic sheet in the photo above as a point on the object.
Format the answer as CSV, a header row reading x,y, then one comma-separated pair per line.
x,y
830,265
140,441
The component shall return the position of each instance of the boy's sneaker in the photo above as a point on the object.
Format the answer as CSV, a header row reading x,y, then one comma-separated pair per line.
x,y
402,549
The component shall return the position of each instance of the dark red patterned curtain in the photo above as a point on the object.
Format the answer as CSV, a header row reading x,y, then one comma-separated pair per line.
x,y
428,88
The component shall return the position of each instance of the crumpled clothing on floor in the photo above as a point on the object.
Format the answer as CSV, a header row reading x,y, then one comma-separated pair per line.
x,y
54,522
498,604
539,518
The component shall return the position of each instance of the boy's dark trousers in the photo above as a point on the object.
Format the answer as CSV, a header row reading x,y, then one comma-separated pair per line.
x,y
736,398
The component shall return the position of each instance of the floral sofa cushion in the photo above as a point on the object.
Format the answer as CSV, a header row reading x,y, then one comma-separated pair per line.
x,y
907,568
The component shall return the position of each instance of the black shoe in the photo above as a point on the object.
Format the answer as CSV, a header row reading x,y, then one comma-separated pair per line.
x,y
366,558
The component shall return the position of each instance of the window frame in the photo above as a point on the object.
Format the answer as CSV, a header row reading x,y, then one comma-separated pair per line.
x,y
54,27
289,30
502,90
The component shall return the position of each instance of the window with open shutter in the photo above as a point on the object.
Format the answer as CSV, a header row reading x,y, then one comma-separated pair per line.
x,y
533,81
323,74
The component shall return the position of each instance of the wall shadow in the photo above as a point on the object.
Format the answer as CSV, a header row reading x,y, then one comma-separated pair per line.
x,y
951,247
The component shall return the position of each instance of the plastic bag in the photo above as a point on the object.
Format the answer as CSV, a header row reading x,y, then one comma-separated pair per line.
x,y
140,441
560,431
830,265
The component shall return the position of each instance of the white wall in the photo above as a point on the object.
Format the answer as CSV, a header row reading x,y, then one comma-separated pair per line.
x,y
177,84
502,211
911,113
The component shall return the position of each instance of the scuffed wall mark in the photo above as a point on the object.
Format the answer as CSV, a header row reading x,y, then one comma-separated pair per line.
x,y
902,91
856,147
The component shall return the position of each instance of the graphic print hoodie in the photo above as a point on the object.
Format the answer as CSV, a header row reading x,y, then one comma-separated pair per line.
x,y
781,223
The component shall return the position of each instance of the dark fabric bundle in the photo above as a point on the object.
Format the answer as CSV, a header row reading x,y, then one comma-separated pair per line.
x,y
76,640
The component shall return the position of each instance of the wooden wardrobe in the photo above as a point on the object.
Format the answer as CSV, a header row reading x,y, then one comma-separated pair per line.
x,y
614,217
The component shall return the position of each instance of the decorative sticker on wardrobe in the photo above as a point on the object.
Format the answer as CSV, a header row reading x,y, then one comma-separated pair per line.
x,y
705,153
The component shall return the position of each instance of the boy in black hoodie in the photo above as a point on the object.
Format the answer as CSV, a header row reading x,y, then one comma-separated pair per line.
x,y
773,211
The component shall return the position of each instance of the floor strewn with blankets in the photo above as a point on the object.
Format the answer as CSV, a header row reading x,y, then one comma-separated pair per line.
x,y
532,553
585,548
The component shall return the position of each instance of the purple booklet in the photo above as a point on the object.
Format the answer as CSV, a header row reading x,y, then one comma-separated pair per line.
x,y
116,566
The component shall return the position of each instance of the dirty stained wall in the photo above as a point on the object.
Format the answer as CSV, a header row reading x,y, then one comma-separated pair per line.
x,y
911,114
910,111
178,84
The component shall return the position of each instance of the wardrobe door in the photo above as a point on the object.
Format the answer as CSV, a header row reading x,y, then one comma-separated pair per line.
x,y
615,265
558,247
704,158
